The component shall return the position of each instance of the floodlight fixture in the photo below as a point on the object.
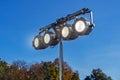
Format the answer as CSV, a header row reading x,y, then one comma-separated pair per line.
x,y
82,26
38,42
68,33
50,38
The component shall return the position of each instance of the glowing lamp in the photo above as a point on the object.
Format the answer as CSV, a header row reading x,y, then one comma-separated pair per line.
x,y
82,26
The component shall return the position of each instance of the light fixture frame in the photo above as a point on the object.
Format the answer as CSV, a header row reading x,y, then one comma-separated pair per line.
x,y
58,24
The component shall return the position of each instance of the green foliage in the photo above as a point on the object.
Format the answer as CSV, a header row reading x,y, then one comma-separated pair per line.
x,y
97,74
75,76
39,71
3,68
19,70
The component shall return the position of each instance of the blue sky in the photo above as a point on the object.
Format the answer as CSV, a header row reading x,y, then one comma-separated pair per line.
x,y
20,21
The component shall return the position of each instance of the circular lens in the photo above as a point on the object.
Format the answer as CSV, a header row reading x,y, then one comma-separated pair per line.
x,y
36,42
47,38
80,26
65,31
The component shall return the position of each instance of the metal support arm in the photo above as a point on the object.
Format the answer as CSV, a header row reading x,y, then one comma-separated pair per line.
x,y
64,19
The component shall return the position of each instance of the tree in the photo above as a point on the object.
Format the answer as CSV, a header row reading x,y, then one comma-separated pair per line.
x,y
68,73
18,71
39,71
36,72
3,67
75,76
50,71
97,74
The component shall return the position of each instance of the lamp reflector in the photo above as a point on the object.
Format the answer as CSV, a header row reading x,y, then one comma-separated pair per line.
x,y
47,38
36,42
80,26
65,32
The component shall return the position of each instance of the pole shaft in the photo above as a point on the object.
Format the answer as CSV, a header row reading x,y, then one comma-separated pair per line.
x,y
61,61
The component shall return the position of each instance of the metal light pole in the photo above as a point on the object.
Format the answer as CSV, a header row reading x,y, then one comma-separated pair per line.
x,y
60,60
52,37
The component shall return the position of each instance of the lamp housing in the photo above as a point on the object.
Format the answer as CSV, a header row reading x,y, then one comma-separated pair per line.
x,y
50,38
82,26
68,33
